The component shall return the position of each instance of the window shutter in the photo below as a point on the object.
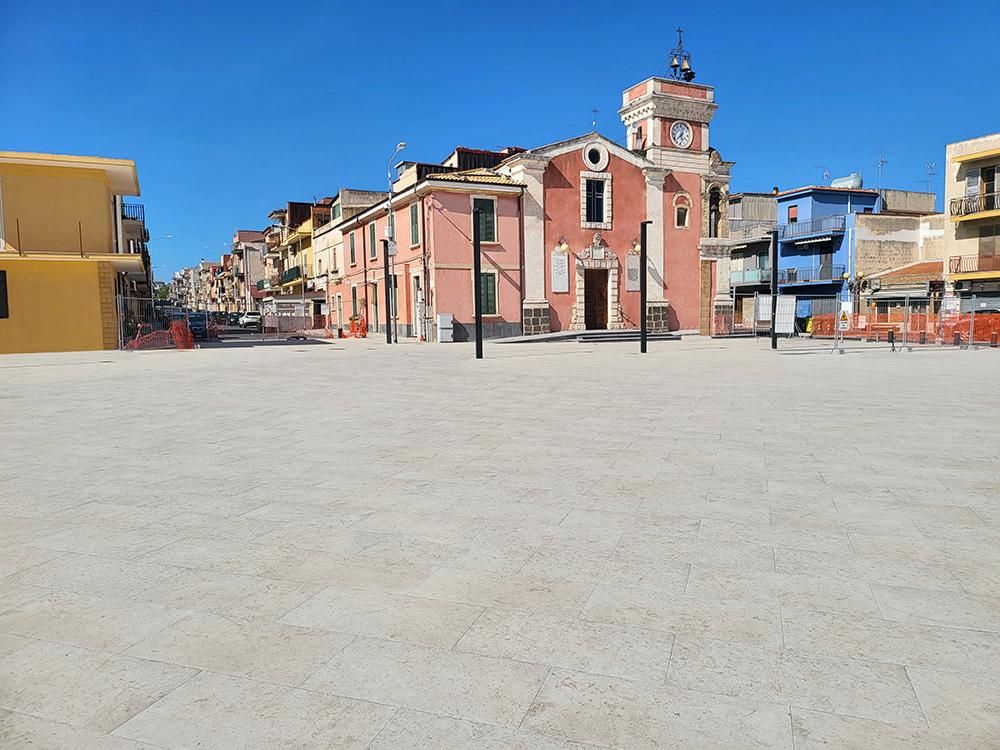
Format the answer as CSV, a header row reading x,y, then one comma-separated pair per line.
x,y
487,219
972,182
488,289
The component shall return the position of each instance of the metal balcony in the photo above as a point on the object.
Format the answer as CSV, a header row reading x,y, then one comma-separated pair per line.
x,y
291,274
973,263
750,276
750,229
811,275
819,226
134,211
974,204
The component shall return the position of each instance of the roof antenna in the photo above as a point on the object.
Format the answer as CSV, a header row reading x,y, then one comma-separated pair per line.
x,y
826,172
930,173
593,122
882,161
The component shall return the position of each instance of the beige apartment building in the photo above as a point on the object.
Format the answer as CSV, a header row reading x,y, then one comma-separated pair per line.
x,y
972,202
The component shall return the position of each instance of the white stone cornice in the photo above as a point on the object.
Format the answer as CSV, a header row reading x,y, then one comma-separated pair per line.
x,y
670,106
656,176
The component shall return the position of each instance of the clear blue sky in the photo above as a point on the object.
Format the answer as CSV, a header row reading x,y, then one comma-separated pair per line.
x,y
232,109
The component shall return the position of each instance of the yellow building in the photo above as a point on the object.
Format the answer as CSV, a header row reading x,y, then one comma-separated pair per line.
x,y
290,265
70,251
972,199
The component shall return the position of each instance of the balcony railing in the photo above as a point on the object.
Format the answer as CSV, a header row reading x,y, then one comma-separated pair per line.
x,y
750,276
750,229
820,225
134,211
974,204
808,275
973,263
291,274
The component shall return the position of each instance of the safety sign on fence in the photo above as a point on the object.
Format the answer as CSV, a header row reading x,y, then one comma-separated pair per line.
x,y
844,322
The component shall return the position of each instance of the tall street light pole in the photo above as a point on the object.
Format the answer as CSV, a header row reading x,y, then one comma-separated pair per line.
x,y
391,235
477,280
774,289
643,325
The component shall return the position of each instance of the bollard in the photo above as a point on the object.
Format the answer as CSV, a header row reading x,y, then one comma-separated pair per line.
x,y
923,337
958,339
993,339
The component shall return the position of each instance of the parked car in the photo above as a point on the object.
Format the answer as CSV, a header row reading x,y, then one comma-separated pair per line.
x,y
202,326
250,319
233,320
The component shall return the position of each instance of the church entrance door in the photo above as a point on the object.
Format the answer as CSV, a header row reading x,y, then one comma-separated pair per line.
x,y
595,310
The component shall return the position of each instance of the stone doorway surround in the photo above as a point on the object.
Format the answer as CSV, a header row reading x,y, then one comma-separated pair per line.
x,y
597,256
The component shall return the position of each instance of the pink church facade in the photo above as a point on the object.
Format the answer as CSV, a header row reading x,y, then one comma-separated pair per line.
x,y
562,229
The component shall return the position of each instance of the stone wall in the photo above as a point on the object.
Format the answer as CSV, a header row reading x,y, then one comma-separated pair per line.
x,y
907,201
535,319
883,242
657,316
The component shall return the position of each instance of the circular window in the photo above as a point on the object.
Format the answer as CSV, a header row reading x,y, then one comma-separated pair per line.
x,y
595,156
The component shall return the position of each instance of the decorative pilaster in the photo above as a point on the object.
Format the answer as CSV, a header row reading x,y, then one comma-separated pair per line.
x,y
530,171
654,234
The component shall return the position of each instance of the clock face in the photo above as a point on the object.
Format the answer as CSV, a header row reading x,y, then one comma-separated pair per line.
x,y
680,134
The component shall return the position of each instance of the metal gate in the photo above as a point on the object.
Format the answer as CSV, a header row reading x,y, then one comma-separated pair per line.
x,y
145,323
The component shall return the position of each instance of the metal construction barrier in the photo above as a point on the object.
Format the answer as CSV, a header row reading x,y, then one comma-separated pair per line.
x,y
738,320
144,323
176,336
287,326
909,328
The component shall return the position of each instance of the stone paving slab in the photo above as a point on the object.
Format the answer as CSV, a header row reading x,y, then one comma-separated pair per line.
x,y
561,546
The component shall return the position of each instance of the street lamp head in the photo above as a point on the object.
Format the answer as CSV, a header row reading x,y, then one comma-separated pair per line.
x,y
401,145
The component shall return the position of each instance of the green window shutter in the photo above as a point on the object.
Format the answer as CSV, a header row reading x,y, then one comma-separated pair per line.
x,y
354,258
354,298
488,287
414,223
487,219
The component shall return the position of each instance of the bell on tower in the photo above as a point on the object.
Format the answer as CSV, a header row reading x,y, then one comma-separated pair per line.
x,y
680,60
667,118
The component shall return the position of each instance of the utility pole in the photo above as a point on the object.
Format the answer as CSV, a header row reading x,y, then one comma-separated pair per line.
x,y
774,288
642,286
388,292
477,276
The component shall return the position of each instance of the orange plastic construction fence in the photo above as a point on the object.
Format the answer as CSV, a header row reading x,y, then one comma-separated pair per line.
x,y
359,328
178,336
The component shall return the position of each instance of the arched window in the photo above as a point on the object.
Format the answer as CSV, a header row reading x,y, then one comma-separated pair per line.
x,y
714,201
682,211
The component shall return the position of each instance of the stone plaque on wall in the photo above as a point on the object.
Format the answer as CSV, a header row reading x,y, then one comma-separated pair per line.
x,y
560,271
631,272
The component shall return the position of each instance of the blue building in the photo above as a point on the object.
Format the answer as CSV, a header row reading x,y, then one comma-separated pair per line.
x,y
816,234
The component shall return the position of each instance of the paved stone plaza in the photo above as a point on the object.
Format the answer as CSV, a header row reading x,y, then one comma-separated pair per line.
x,y
561,546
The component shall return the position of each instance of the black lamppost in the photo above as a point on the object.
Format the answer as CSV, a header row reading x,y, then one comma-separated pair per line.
x,y
477,291
388,291
774,288
642,286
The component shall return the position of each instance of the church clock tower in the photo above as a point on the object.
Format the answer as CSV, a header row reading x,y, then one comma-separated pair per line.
x,y
667,119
